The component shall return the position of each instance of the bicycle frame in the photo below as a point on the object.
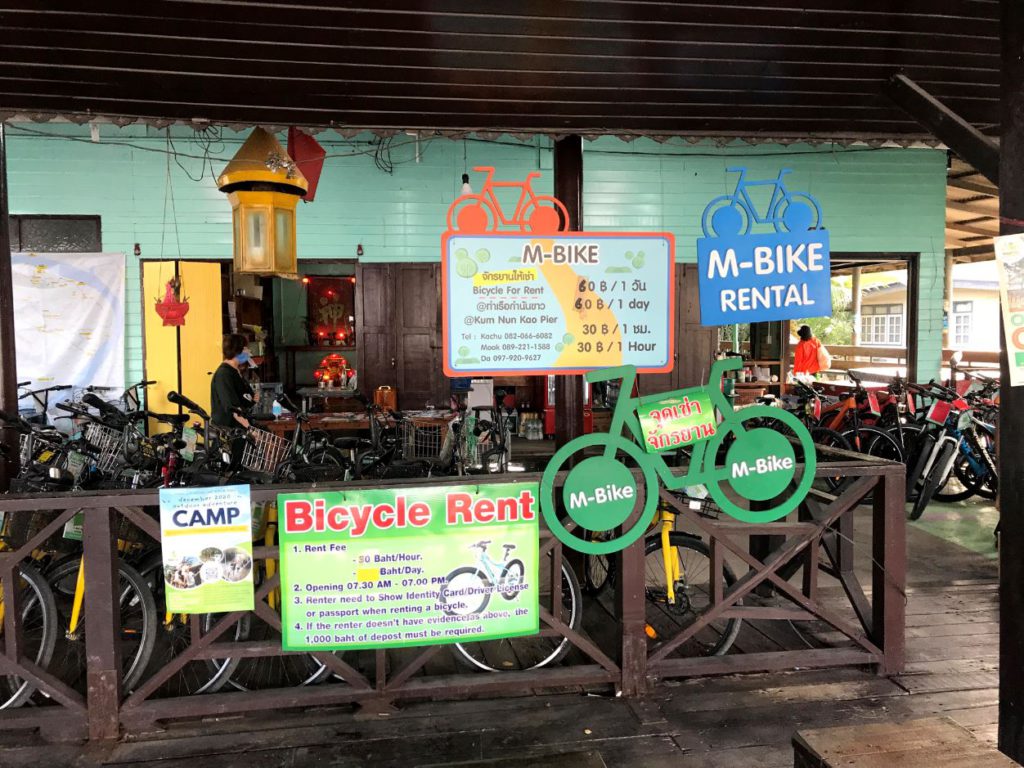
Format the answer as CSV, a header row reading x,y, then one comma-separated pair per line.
x,y
624,415
779,191
526,195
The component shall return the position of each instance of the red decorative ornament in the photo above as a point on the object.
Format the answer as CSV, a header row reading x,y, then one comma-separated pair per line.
x,y
171,308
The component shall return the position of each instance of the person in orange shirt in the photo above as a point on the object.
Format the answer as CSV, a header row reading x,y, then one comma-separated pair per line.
x,y
806,358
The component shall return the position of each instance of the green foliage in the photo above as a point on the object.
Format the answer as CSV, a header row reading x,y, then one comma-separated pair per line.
x,y
835,330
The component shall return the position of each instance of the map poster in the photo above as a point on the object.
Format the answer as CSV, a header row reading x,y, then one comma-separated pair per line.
x,y
1010,264
206,538
561,304
69,327
676,419
388,568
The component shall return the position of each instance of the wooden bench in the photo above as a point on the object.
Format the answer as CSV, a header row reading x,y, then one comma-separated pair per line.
x,y
929,743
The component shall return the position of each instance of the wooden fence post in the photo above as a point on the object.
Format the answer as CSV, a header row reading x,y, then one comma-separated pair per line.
x,y
102,624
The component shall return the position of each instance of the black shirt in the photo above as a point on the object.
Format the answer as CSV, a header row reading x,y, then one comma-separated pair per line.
x,y
228,390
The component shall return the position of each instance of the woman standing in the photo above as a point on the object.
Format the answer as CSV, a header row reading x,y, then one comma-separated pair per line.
x,y
806,360
229,391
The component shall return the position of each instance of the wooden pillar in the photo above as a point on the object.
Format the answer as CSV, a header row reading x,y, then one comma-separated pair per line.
x,y
8,363
1011,436
855,299
569,189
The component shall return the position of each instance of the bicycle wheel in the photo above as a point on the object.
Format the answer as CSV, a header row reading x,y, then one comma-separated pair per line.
x,y
962,482
138,622
494,461
692,597
824,439
736,471
545,215
38,633
175,637
614,469
466,590
935,477
872,441
725,216
533,651
472,214
324,465
511,579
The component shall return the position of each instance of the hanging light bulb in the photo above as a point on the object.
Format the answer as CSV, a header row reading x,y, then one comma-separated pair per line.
x,y
466,189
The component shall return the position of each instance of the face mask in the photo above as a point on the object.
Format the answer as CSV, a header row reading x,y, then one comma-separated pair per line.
x,y
243,357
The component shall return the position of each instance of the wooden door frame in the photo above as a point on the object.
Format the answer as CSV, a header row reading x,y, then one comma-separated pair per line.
x,y
913,262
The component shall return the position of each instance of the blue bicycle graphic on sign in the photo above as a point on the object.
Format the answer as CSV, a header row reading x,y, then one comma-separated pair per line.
x,y
735,214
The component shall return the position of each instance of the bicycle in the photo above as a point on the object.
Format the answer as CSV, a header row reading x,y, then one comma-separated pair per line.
x,y
725,463
730,215
478,582
848,417
479,213
677,583
471,586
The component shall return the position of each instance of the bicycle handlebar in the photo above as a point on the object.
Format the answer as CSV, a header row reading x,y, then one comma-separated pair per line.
x,y
179,399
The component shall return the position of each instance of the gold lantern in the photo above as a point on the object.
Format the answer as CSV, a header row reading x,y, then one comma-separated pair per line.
x,y
263,186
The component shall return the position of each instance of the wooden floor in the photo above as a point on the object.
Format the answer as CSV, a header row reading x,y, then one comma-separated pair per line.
x,y
712,723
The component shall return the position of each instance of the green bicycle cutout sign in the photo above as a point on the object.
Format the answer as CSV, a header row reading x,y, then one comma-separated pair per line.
x,y
750,454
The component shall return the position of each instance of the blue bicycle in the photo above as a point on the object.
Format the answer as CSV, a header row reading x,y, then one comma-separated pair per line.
x,y
468,589
735,214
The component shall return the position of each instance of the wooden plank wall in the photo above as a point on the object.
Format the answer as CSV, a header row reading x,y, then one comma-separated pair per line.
x,y
874,199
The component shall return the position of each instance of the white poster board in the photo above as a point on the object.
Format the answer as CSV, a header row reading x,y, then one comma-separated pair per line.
x,y
1010,263
69,319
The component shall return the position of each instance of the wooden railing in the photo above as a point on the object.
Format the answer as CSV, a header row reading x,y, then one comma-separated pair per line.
x,y
615,653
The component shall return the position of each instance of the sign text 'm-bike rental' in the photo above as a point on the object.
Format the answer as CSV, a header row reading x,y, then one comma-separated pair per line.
x,y
753,277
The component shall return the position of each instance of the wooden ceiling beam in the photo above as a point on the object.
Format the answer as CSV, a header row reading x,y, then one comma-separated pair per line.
x,y
973,208
981,187
956,133
973,229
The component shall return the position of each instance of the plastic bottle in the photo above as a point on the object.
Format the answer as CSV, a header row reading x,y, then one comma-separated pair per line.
x,y
276,409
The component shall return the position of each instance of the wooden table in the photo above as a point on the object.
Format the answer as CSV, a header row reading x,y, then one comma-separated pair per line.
x,y
935,741
308,394
329,422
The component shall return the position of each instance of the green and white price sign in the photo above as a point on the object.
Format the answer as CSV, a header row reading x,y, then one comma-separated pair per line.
x,y
388,568
676,419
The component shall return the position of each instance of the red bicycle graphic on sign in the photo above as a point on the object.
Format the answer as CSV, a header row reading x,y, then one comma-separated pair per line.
x,y
478,213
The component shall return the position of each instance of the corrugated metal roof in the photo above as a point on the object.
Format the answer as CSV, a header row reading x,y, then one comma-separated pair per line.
x,y
776,69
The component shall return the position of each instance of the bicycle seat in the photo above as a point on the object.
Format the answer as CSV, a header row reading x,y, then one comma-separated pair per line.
x,y
508,547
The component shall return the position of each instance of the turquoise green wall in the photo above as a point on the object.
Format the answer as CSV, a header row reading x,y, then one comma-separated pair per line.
x,y
874,200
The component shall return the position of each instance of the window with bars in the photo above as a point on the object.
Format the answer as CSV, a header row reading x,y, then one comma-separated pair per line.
x,y
963,313
55,234
882,325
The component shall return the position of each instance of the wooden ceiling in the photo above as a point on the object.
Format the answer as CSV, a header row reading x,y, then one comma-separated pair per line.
x,y
972,212
773,68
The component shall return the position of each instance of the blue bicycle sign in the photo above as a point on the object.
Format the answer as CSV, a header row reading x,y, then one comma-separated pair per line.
x,y
735,214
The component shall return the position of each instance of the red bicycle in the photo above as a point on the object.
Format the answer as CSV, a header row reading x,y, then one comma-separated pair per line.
x,y
478,213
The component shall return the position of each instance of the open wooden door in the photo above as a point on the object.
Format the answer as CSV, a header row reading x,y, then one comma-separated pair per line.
x,y
398,310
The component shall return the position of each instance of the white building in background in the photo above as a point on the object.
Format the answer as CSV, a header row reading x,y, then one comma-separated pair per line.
x,y
973,320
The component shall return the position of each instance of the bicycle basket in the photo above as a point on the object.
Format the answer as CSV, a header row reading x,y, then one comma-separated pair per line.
x,y
264,451
475,446
423,438
34,449
106,445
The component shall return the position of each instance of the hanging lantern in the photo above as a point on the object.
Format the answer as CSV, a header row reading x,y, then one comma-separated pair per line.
x,y
171,308
263,186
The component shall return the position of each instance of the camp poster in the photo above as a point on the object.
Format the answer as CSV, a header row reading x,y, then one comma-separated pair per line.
x,y
567,303
1010,260
388,568
206,535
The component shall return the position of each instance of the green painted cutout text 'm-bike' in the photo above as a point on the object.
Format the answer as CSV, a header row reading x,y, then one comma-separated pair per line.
x,y
748,454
